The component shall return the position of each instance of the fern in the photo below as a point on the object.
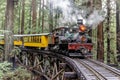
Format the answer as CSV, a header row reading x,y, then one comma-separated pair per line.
x,y
6,72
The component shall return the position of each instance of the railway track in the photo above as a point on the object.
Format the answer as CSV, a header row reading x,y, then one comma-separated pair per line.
x,y
94,70
85,69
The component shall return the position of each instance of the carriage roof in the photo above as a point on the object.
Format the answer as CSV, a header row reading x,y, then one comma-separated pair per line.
x,y
25,35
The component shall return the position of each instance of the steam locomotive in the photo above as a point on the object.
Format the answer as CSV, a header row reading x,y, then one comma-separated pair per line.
x,y
69,41
73,42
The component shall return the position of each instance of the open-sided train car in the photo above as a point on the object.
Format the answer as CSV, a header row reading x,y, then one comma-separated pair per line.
x,y
29,40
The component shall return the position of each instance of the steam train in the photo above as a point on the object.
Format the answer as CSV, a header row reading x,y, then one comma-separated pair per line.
x,y
73,42
69,41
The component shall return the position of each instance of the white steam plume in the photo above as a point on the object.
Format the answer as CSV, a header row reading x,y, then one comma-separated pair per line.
x,y
95,18
70,13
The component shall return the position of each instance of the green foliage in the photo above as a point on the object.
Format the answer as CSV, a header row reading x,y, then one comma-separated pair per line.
x,y
118,1
2,13
1,47
4,67
1,53
6,72
18,74
15,51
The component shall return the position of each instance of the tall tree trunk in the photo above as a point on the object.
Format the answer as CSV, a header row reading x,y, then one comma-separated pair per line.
x,y
19,18
50,17
34,15
30,19
43,17
9,28
108,31
100,43
23,17
39,20
100,40
118,30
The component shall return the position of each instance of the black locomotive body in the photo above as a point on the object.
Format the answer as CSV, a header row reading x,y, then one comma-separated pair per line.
x,y
73,41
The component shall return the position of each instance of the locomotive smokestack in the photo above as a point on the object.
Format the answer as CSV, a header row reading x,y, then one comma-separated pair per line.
x,y
80,21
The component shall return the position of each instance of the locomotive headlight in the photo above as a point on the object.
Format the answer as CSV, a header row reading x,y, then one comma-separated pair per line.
x,y
82,28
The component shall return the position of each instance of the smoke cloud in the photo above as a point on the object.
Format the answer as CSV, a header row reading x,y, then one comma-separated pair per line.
x,y
95,18
71,12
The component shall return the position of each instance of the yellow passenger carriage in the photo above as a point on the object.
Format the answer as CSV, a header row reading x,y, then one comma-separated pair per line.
x,y
29,40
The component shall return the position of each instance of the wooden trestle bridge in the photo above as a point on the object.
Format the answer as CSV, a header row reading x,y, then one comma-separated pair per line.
x,y
51,66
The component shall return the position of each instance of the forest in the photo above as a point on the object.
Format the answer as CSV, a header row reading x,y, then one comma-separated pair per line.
x,y
42,16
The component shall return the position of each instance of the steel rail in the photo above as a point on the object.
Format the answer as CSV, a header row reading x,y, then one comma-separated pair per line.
x,y
103,71
98,75
85,71
113,70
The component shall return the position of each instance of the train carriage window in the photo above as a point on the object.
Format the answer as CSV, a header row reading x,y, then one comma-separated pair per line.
x,y
37,39
40,39
29,39
32,39
25,39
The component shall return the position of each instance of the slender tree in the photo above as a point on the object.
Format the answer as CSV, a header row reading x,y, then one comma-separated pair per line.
x,y
108,32
30,19
19,18
43,16
118,29
50,17
9,28
39,20
23,17
100,40
100,43
34,15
